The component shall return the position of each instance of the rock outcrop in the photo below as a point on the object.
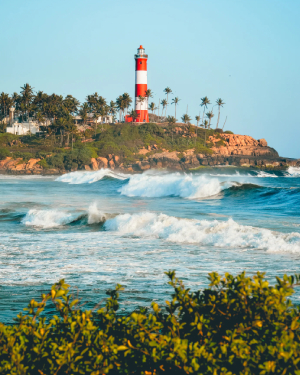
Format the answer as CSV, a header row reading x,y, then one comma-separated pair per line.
x,y
235,144
227,149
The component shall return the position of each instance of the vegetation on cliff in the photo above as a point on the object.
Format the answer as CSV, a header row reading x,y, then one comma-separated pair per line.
x,y
122,140
239,325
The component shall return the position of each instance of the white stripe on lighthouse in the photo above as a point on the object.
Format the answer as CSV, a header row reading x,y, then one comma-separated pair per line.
x,y
141,77
141,106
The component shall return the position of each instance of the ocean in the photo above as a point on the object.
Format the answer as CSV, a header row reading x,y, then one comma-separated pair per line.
x,y
97,229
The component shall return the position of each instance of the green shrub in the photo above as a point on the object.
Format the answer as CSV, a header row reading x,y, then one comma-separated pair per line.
x,y
4,153
5,138
23,155
228,132
43,163
238,325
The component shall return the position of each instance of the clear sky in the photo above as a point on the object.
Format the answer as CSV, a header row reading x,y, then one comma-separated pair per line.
x,y
246,52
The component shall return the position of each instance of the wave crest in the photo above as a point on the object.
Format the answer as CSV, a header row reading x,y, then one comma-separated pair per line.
x,y
189,186
76,178
54,218
204,232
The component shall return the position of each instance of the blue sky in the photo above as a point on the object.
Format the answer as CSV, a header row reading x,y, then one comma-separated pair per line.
x,y
246,52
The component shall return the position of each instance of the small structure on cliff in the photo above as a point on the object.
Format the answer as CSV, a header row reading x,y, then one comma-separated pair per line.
x,y
21,128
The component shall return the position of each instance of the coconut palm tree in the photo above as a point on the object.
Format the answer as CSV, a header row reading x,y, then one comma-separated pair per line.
x,y
134,115
152,107
186,118
167,91
204,103
205,125
149,93
220,104
112,108
171,120
141,100
83,112
197,118
120,102
209,115
175,101
127,101
26,97
164,104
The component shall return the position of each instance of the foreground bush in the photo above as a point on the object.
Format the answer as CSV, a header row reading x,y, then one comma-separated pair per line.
x,y
238,325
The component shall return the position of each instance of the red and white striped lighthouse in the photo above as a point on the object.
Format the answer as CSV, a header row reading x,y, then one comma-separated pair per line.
x,y
141,106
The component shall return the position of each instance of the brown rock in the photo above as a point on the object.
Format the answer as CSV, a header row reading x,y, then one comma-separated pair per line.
x,y
111,164
94,164
102,162
87,168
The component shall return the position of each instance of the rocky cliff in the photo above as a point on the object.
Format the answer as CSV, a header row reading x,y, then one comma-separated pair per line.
x,y
227,149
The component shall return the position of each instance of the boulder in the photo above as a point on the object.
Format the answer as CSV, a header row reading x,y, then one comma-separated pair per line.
x,y
102,162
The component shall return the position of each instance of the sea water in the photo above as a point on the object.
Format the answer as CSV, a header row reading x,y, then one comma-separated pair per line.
x,y
97,229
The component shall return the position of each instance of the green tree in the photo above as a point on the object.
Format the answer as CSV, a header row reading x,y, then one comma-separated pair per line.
x,y
152,107
186,118
134,115
171,120
167,91
204,103
164,104
209,115
175,101
220,104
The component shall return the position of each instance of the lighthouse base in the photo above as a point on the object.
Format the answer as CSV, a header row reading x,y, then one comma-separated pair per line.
x,y
142,117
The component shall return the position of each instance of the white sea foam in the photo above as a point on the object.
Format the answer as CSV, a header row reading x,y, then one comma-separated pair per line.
x,y
293,172
95,215
90,177
189,186
203,232
47,218
265,174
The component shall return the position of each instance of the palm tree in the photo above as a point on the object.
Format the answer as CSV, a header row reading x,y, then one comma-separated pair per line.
x,y
209,115
112,108
152,107
205,125
175,101
164,104
27,97
127,101
120,105
83,112
197,118
220,104
204,103
141,100
171,120
95,118
186,118
134,115
167,91
149,93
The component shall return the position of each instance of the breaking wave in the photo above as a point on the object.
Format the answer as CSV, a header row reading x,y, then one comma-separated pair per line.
x,y
203,232
189,186
90,177
47,219
293,172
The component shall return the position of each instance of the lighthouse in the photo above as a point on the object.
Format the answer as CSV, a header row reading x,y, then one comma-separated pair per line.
x,y
141,100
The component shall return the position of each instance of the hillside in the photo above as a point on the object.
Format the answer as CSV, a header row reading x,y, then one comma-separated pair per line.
x,y
133,148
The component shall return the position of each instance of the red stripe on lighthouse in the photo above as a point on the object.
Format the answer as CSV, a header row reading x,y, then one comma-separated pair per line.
x,y
141,64
140,89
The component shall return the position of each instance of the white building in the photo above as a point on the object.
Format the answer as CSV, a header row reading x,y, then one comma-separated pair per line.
x,y
23,128
29,127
